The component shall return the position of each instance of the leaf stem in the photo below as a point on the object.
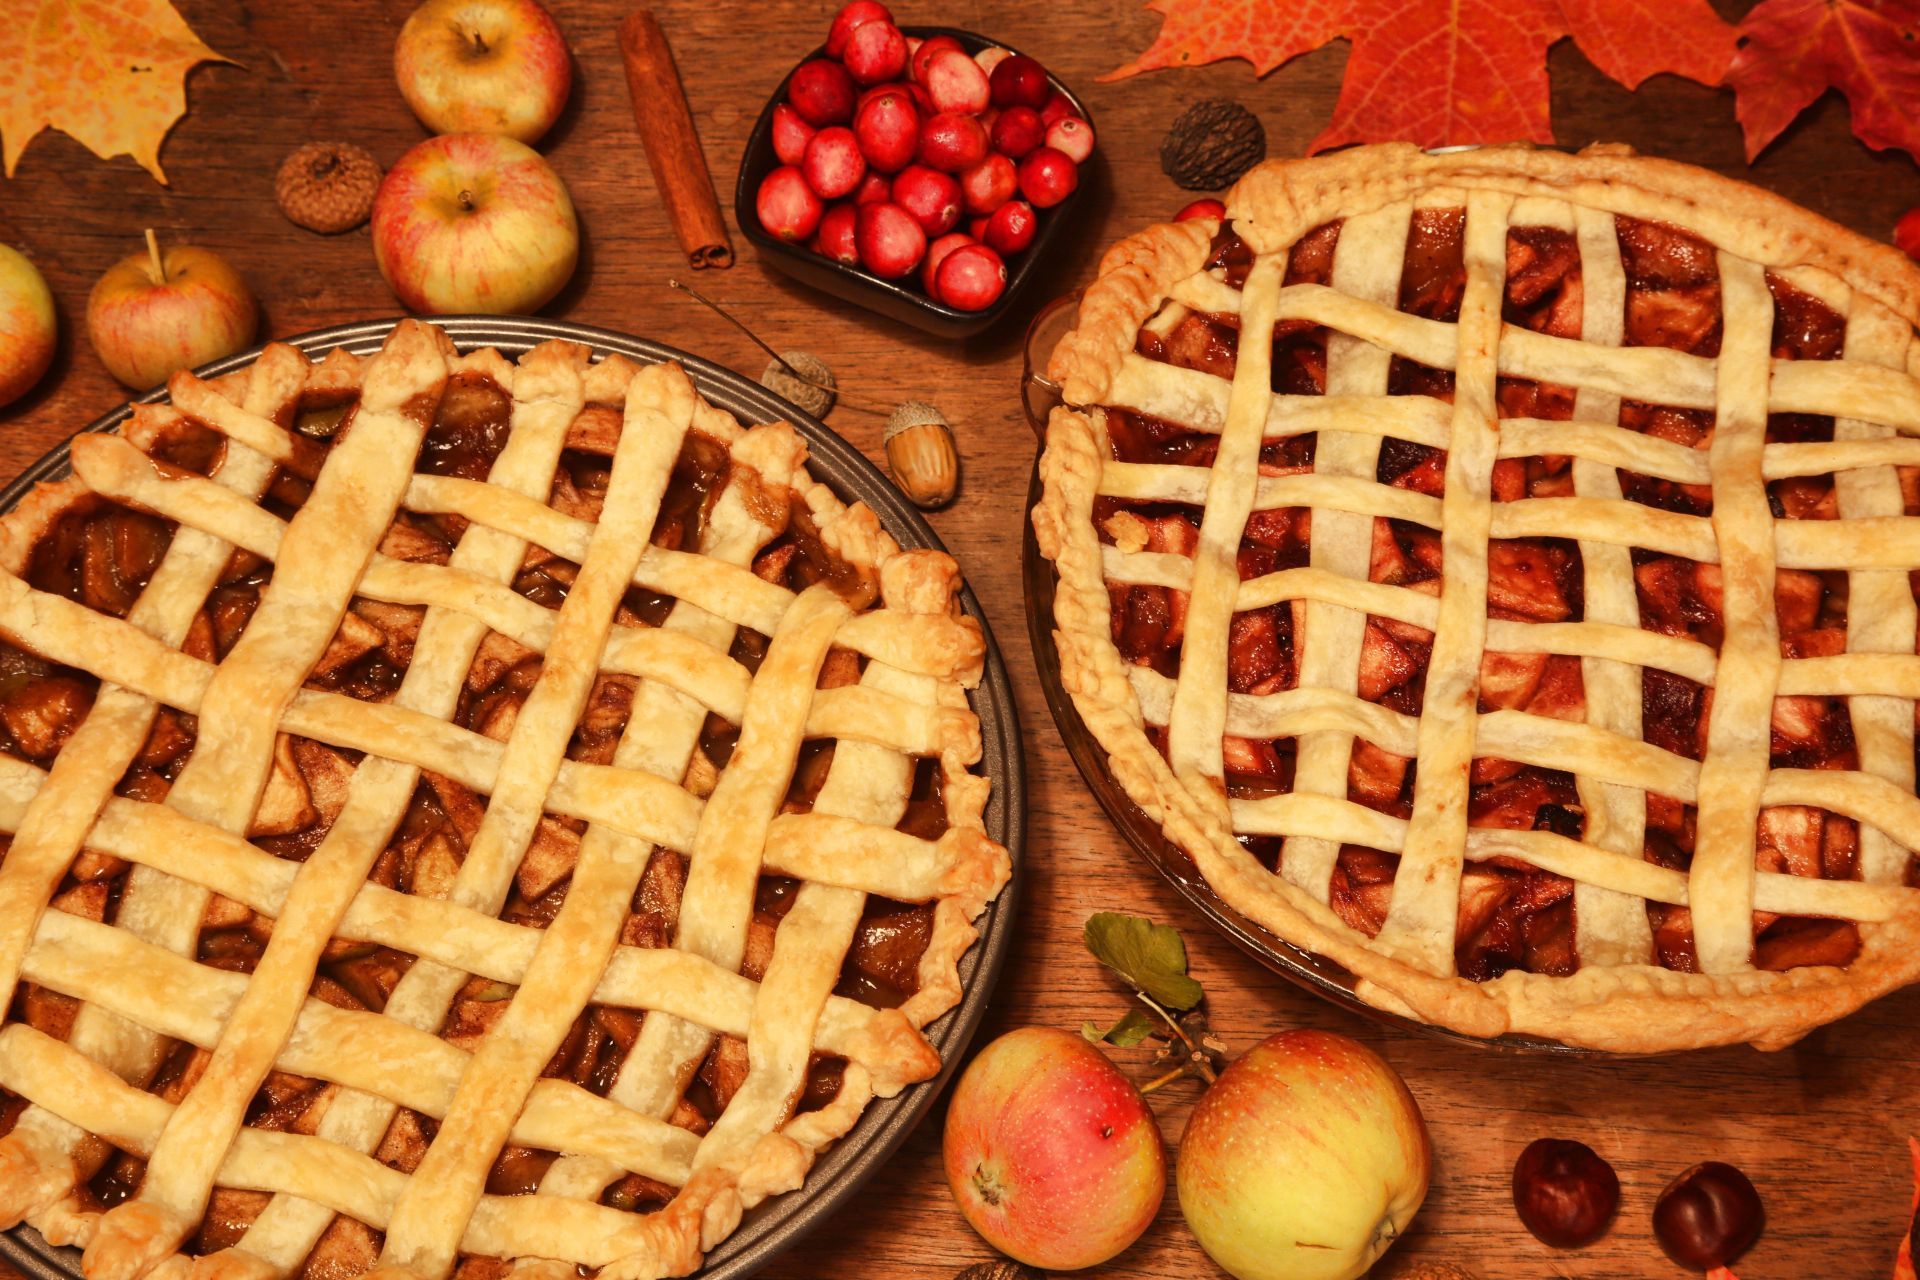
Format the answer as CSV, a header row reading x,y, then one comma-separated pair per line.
x,y
839,394
156,266
1162,1081
1169,1019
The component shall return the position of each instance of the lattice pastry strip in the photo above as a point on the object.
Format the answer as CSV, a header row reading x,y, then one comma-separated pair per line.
x,y
1608,328
646,803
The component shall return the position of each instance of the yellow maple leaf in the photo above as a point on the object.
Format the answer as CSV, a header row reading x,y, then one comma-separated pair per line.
x,y
110,73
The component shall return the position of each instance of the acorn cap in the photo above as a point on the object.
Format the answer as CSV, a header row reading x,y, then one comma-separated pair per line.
x,y
913,413
813,390
327,186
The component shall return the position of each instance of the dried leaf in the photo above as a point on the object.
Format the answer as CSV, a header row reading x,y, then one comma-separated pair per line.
x,y
110,73
1151,957
1792,51
1133,1027
1445,72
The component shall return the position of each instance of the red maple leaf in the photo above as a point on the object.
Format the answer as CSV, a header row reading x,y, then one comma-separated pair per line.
x,y
1444,72
1792,51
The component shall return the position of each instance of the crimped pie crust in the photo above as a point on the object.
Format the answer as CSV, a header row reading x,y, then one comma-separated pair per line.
x,y
1614,1000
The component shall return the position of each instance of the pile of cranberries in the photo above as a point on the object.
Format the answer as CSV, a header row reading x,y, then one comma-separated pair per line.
x,y
888,142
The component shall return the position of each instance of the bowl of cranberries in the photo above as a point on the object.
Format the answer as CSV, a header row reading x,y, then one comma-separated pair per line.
x,y
920,172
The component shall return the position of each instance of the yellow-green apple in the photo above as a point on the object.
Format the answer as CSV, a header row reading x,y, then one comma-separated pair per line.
x,y
1304,1161
153,314
1051,1152
484,66
27,325
474,222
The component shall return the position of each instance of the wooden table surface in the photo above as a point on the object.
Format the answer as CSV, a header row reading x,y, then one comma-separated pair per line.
x,y
1821,1127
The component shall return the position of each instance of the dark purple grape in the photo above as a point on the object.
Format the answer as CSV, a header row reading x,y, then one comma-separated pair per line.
x,y
1708,1216
1564,1192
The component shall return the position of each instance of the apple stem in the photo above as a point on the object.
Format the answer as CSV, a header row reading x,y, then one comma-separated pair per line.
x,y
1161,1081
156,267
1198,1061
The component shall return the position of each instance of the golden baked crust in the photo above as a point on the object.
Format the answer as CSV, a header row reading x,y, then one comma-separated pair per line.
x,y
1618,999
566,584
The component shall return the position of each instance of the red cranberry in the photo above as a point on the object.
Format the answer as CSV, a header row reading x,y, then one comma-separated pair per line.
x,y
834,165
876,52
872,188
1047,177
1708,1216
936,254
1017,132
836,238
957,83
1059,107
1207,208
952,143
932,197
1010,228
1564,1192
990,57
851,17
977,225
786,205
1071,138
989,184
922,99
888,128
790,135
917,65
821,92
1019,81
972,278
890,239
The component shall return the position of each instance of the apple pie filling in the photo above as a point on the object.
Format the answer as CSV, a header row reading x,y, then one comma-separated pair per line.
x,y
102,555
1511,915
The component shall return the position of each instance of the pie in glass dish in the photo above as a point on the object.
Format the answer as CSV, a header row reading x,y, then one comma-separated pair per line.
x,y
434,780
1524,620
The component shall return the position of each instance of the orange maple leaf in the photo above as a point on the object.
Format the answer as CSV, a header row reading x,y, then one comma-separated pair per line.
x,y
110,73
1444,72
1792,51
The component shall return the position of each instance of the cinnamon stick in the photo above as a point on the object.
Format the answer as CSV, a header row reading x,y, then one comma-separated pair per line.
x,y
673,148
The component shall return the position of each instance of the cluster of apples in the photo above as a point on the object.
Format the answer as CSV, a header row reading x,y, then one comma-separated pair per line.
x,y
1305,1160
475,219
888,141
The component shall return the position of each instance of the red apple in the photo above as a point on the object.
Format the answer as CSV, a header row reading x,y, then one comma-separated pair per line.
x,y
155,313
484,66
474,222
1304,1161
27,325
1050,1151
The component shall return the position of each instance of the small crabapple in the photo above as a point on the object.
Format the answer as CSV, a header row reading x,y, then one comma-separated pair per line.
x,y
834,165
989,184
787,206
1047,177
890,240
822,92
971,278
853,16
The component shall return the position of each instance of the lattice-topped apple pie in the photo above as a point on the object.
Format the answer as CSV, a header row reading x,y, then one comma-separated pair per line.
x,y
1525,617
466,815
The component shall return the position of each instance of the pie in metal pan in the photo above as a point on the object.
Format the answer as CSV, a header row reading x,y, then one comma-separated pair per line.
x,y
435,781
1525,623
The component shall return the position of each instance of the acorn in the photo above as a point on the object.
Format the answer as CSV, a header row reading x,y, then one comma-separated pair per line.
x,y
1211,144
814,387
921,453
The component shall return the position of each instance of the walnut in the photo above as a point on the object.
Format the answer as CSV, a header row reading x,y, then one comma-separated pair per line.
x,y
1211,144
327,186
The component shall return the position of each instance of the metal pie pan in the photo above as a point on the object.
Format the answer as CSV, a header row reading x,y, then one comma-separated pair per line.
x,y
778,1223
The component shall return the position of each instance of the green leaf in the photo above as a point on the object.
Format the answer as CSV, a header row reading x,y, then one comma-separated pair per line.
x,y
1151,957
1133,1027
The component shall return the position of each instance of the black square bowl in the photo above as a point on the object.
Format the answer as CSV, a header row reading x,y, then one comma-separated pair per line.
x,y
900,299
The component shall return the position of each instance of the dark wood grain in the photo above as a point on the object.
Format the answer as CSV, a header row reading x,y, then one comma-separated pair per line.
x,y
1821,1127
